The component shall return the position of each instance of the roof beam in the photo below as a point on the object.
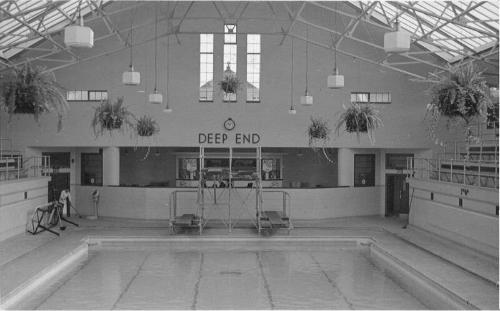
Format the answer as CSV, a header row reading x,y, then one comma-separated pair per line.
x,y
111,27
329,47
47,37
353,24
294,20
453,21
178,27
469,13
368,21
366,42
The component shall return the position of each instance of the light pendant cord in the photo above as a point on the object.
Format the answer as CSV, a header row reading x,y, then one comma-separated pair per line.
x,y
131,38
156,44
334,43
168,65
307,58
291,82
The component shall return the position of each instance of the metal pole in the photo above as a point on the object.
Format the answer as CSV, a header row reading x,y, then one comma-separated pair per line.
x,y
229,189
439,169
464,174
451,170
479,173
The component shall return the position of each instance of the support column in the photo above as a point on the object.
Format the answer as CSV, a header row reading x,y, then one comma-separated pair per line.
x,y
346,167
111,166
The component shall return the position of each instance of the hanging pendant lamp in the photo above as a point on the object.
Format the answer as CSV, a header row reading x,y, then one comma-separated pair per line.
x,y
167,108
131,77
156,97
292,108
79,36
307,99
397,41
335,81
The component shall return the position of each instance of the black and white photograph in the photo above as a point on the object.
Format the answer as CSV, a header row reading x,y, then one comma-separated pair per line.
x,y
249,155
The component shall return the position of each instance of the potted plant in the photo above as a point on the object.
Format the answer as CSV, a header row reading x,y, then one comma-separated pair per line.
x,y
460,97
230,84
359,119
110,116
33,91
318,130
146,126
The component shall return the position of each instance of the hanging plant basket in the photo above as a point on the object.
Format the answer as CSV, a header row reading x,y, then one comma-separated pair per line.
x,y
146,126
319,134
30,90
110,116
359,119
459,97
318,130
230,84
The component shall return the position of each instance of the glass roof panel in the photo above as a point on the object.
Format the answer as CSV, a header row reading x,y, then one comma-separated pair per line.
x,y
455,23
39,16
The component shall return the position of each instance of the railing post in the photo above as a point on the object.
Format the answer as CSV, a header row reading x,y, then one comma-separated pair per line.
x,y
465,183
455,150
479,173
284,203
451,170
428,169
439,169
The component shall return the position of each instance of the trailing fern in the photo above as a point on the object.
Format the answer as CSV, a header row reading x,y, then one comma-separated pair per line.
x,y
359,119
31,90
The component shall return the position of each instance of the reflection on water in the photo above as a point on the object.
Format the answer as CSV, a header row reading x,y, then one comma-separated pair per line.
x,y
155,278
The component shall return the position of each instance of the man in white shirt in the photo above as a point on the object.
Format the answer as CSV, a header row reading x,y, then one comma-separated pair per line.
x,y
65,200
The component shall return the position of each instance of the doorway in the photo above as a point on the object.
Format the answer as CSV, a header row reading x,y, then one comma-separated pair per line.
x,y
60,168
396,195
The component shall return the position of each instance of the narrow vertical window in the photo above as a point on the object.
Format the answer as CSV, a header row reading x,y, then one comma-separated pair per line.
x,y
253,68
206,67
230,48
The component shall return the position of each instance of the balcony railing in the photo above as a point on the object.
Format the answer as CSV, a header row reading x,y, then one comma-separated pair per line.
x,y
15,167
465,172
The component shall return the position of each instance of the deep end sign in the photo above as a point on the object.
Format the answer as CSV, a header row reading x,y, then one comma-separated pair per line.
x,y
228,138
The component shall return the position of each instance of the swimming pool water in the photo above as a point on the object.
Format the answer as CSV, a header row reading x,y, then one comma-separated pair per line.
x,y
234,277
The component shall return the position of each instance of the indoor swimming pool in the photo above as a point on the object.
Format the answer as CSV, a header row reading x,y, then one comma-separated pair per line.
x,y
225,275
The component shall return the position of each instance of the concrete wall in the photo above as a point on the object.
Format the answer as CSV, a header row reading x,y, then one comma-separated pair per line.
x,y
474,225
152,203
403,127
18,199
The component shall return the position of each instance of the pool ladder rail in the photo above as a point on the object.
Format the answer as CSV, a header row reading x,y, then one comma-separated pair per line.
x,y
270,219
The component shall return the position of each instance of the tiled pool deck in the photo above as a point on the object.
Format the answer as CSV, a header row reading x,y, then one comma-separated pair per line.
x,y
465,273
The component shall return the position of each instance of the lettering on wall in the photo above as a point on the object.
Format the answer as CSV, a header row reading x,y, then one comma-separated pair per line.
x,y
225,138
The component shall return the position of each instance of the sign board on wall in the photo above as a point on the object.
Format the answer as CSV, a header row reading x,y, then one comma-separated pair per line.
x,y
220,138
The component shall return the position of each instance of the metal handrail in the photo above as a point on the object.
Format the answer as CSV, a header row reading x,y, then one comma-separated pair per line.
x,y
34,166
465,172
285,196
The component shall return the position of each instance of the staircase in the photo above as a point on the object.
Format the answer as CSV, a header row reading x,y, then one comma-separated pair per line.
x,y
13,165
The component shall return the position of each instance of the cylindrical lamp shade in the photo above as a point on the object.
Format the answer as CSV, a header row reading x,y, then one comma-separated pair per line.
x,y
335,81
292,111
397,41
79,36
155,98
306,100
167,110
131,77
